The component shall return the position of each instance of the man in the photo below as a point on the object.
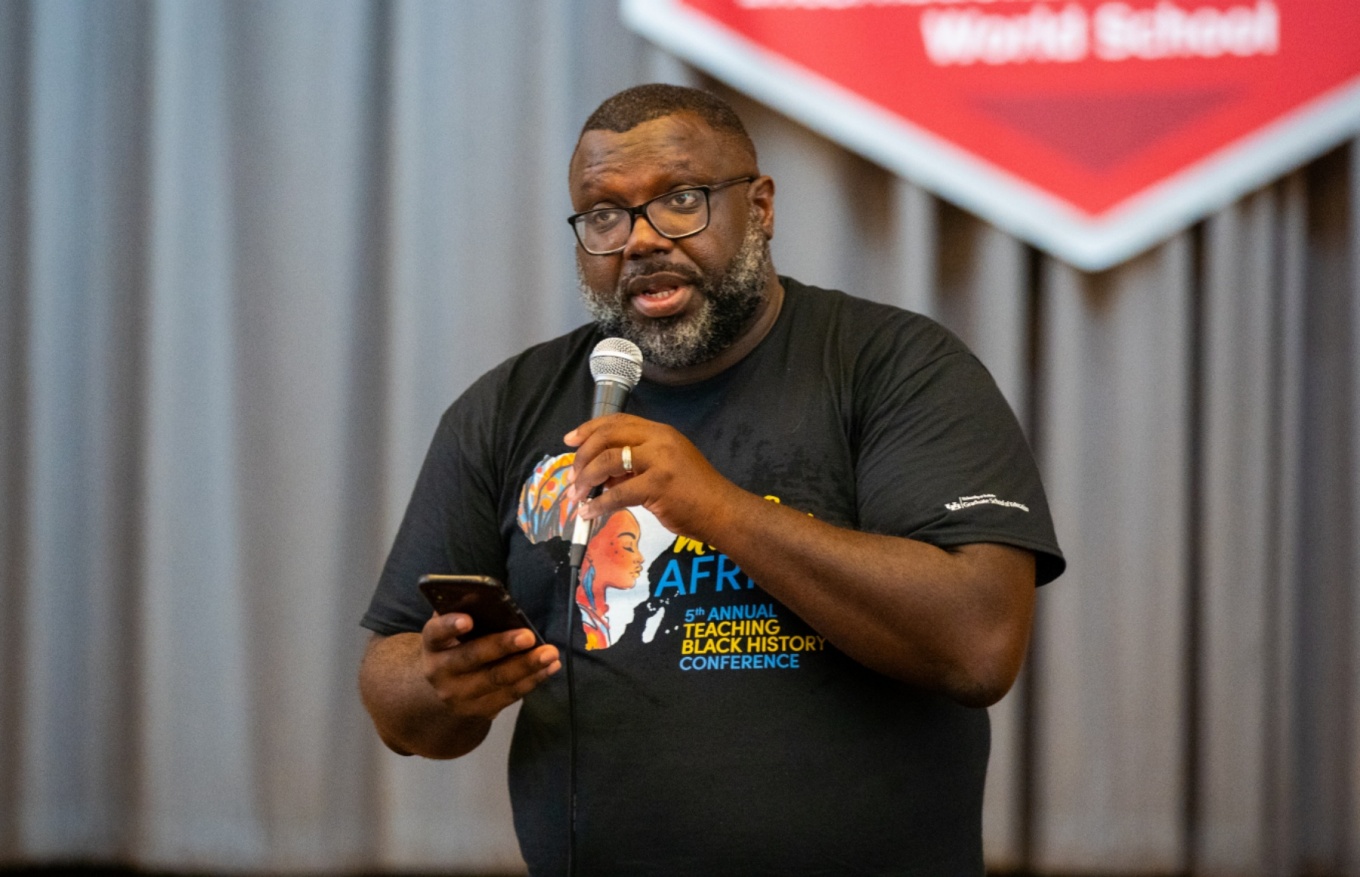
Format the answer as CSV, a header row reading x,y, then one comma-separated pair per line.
x,y
841,526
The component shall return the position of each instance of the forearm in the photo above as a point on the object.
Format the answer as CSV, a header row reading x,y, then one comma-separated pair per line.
x,y
956,621
408,715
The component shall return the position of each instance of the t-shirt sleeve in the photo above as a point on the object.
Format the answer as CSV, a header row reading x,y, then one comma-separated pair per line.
x,y
451,524
943,458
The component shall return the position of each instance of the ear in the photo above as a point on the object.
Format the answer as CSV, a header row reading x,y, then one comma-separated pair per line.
x,y
762,195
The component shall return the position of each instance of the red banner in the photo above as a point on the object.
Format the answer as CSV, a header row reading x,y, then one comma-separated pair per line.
x,y
1091,128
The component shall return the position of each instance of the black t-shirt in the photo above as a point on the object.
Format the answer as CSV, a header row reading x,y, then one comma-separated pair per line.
x,y
716,732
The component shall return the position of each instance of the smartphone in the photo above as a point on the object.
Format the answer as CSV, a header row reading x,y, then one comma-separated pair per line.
x,y
483,597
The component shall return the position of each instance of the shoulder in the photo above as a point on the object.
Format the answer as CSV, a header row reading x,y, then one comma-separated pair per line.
x,y
533,370
498,403
869,333
547,357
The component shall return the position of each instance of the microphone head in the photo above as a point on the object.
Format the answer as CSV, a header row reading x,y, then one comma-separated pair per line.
x,y
617,360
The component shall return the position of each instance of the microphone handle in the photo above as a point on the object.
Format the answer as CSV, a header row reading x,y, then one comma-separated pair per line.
x,y
609,398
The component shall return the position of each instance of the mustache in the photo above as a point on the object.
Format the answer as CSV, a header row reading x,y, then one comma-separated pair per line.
x,y
642,270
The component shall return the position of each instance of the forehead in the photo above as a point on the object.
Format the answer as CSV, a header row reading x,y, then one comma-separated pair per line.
x,y
653,155
622,523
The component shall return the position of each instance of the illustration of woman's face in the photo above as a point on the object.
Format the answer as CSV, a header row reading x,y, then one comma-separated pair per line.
x,y
614,551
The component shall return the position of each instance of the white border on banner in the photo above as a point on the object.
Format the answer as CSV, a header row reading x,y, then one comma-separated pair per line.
x,y
998,196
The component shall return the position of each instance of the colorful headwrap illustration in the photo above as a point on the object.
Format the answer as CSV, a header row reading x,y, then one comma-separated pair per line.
x,y
613,561
544,510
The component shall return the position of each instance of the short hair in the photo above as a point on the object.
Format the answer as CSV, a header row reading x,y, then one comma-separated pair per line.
x,y
643,103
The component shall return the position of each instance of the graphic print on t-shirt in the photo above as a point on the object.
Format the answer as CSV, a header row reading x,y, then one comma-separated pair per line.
x,y
663,590
614,569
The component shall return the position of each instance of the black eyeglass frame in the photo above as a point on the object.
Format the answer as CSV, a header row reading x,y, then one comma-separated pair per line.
x,y
641,210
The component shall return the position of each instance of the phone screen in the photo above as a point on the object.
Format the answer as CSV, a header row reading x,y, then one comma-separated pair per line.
x,y
484,598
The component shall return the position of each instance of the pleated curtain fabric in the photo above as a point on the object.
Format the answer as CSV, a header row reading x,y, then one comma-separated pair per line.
x,y
249,252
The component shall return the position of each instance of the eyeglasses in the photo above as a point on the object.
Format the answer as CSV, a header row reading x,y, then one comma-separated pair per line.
x,y
673,215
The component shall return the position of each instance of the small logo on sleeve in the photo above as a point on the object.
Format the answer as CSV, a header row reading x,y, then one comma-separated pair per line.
x,y
965,502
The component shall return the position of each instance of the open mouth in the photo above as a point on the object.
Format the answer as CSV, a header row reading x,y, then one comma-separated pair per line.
x,y
660,295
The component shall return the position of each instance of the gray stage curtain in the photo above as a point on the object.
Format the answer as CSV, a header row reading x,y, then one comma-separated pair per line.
x,y
248,253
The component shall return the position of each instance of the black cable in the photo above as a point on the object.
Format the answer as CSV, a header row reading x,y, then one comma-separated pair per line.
x,y
575,567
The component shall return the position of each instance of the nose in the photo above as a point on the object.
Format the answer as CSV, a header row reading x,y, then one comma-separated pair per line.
x,y
643,239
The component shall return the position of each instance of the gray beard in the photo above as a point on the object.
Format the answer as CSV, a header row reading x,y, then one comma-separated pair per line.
x,y
730,300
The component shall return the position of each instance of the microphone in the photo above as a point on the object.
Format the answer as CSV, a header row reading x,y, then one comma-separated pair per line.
x,y
616,366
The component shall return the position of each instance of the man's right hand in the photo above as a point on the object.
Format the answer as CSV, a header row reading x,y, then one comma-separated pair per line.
x,y
435,695
477,678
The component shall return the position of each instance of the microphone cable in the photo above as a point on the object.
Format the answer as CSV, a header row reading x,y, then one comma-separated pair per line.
x,y
570,614
615,367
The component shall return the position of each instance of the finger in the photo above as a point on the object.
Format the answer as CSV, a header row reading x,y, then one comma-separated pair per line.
x,y
517,670
612,429
580,434
477,656
621,493
475,653
599,457
606,468
577,436
586,450
446,669
496,698
443,632
499,682
530,682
